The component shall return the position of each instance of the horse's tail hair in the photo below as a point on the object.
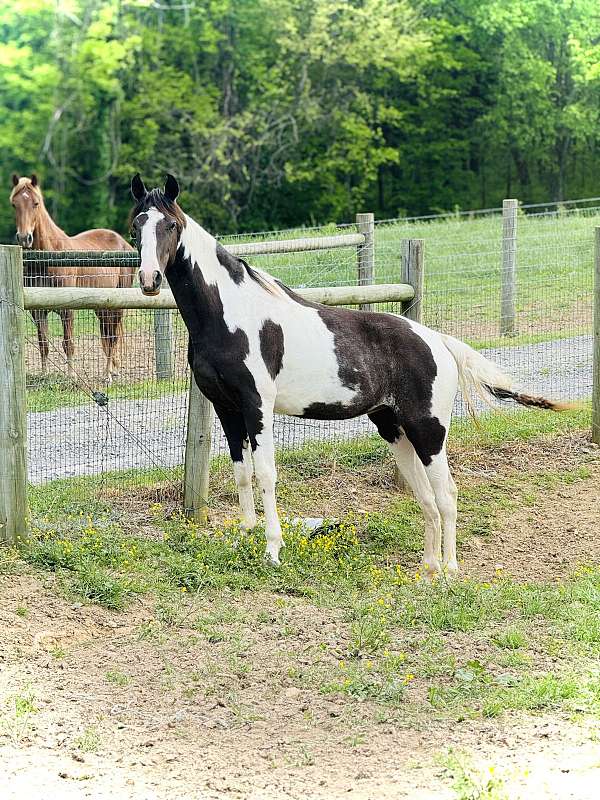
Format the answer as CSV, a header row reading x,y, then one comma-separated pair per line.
x,y
477,374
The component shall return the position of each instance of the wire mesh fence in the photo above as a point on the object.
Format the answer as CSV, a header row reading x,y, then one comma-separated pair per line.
x,y
135,428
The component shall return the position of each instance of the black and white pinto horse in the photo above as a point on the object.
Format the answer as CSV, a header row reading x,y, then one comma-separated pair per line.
x,y
256,348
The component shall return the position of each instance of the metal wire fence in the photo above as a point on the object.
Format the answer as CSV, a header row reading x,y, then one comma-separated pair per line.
x,y
80,426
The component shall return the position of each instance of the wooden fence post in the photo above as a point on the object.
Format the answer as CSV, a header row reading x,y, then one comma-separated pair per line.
x,y
596,342
197,454
509,265
13,412
163,338
412,271
366,254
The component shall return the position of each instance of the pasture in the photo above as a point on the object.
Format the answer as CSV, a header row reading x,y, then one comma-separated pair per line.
x,y
146,656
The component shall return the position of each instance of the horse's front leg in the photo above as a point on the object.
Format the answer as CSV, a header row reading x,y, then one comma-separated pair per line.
x,y
266,475
234,428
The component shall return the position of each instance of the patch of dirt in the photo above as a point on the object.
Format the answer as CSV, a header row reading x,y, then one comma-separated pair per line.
x,y
555,527
173,716
126,707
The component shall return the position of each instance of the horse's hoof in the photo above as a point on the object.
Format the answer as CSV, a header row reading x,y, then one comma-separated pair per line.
x,y
428,571
272,561
450,570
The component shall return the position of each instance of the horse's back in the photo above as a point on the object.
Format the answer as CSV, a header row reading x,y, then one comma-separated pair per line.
x,y
100,239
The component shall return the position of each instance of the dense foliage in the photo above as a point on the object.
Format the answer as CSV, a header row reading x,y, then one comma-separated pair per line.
x,y
279,112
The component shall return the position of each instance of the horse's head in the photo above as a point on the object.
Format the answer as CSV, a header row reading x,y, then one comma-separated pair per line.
x,y
156,225
26,199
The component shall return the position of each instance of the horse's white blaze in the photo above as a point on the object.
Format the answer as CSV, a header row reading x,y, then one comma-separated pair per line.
x,y
148,253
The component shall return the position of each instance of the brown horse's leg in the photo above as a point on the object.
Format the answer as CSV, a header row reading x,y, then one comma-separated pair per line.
x,y
119,342
108,337
40,317
67,316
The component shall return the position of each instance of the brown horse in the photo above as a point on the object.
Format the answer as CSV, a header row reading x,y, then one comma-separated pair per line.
x,y
36,229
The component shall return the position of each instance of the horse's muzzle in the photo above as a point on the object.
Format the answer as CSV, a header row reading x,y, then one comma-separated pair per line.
x,y
25,240
152,288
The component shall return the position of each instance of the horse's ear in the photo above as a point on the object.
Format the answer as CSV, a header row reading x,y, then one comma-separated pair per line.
x,y
171,190
138,190
15,179
34,180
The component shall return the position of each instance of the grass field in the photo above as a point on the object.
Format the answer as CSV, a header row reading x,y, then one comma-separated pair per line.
x,y
205,648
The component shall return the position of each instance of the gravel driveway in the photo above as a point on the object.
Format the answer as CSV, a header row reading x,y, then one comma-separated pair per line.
x,y
151,433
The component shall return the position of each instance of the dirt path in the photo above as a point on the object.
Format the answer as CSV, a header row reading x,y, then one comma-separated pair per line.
x,y
155,739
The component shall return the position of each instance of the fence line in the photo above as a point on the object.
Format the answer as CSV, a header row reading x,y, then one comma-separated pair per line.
x,y
13,416
57,298
200,415
509,267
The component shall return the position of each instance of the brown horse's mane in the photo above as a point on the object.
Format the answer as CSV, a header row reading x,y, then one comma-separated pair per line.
x,y
25,183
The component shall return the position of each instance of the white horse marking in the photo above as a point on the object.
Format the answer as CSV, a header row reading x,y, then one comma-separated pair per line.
x,y
149,263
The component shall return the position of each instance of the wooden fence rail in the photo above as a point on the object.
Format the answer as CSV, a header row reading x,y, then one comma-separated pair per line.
x,y
36,297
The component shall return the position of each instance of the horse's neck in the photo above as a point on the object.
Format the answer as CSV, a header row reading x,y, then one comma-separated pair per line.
x,y
47,235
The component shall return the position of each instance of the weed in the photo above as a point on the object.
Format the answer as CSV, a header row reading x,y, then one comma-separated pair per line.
x,y
117,677
511,639
89,741
471,785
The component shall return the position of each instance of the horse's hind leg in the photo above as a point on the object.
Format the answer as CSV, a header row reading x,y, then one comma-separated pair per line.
x,y
415,475
119,334
108,337
67,317
40,317
427,436
413,471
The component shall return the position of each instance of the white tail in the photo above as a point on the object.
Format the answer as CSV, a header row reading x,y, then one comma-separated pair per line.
x,y
478,374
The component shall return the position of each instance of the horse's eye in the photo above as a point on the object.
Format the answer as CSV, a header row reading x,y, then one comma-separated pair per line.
x,y
35,205
172,226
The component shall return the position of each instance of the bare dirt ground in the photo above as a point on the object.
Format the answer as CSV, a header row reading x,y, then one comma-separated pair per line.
x,y
126,710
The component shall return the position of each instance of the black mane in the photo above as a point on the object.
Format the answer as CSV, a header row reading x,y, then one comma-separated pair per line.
x,y
155,198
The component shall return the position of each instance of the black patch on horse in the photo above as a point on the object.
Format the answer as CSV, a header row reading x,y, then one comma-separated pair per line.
x,y
233,265
390,368
271,346
238,268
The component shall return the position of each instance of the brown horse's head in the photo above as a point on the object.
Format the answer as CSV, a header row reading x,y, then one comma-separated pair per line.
x,y
26,198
